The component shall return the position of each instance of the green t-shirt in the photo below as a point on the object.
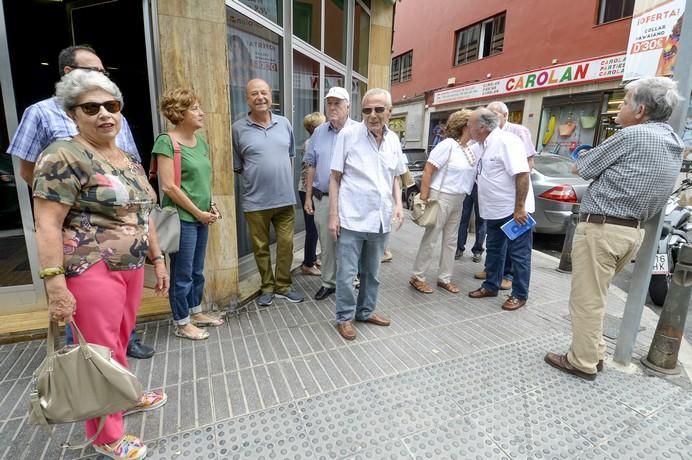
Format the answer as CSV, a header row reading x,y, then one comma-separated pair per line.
x,y
195,173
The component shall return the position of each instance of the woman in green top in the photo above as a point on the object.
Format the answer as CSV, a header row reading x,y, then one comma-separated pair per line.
x,y
192,197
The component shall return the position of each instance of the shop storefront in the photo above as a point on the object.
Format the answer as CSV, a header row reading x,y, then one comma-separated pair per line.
x,y
563,106
301,48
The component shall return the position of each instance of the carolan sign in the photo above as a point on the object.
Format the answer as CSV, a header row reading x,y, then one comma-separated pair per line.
x,y
576,73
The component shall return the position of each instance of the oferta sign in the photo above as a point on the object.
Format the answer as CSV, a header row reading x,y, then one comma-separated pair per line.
x,y
576,73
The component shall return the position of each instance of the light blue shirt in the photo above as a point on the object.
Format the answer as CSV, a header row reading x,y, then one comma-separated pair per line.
x,y
46,122
319,153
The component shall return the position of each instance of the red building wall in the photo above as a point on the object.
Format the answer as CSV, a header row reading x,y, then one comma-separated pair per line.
x,y
536,32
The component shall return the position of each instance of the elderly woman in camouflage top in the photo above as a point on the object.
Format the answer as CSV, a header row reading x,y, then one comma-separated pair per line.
x,y
93,232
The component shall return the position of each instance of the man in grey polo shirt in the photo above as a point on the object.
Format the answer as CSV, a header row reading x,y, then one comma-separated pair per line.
x,y
633,173
263,148
318,158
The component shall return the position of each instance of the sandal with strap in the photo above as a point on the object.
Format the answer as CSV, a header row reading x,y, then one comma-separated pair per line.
x,y
450,287
128,447
212,322
420,286
149,400
202,335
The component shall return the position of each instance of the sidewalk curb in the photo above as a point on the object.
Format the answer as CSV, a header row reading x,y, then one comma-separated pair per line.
x,y
685,354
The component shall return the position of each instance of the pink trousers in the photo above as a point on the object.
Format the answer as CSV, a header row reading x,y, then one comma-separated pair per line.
x,y
107,304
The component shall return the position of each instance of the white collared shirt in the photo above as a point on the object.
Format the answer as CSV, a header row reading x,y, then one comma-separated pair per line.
x,y
501,158
368,171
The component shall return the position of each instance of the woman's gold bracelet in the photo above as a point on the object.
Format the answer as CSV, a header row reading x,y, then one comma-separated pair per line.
x,y
51,271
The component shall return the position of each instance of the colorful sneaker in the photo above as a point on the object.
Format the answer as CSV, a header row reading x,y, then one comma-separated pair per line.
x,y
127,448
149,400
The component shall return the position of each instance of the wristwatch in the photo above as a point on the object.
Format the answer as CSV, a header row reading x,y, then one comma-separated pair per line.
x,y
159,257
51,271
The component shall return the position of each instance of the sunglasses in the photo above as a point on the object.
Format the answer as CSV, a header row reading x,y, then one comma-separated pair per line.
x,y
92,108
93,69
368,110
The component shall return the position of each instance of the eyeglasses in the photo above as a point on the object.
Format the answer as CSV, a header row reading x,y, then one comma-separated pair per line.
x,y
368,110
92,108
93,69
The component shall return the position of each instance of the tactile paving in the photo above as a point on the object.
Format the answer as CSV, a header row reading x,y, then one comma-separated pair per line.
x,y
261,428
391,451
594,414
199,444
649,440
524,429
458,439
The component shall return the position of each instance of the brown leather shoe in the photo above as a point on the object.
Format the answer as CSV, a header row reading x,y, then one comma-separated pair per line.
x,y
346,330
480,275
481,292
377,320
561,363
512,303
506,284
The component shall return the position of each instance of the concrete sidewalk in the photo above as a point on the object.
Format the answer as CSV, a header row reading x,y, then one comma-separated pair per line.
x,y
451,378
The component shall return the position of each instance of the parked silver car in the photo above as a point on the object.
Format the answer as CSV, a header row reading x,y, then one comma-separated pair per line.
x,y
556,189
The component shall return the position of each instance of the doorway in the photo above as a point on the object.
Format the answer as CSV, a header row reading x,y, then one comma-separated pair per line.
x,y
36,32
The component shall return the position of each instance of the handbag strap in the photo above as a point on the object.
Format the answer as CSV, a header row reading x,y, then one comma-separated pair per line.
x,y
177,162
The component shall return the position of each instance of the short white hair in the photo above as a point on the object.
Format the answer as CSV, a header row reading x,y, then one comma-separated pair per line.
x,y
488,118
498,106
379,92
658,95
77,82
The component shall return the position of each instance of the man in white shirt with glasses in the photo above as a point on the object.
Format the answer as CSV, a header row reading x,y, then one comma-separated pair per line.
x,y
364,203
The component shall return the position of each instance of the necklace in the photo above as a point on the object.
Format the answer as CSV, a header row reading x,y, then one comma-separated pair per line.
x,y
470,157
118,153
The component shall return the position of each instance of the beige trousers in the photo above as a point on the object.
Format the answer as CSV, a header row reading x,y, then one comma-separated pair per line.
x,y
599,251
327,244
448,219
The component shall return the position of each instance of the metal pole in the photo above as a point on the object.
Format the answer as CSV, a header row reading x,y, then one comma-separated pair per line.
x,y
665,346
642,268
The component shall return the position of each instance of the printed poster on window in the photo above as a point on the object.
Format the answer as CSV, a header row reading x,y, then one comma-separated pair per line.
x,y
254,53
654,38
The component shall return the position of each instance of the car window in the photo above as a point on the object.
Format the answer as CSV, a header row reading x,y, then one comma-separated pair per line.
x,y
553,166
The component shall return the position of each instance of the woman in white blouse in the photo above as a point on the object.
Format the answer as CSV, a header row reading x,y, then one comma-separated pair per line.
x,y
448,176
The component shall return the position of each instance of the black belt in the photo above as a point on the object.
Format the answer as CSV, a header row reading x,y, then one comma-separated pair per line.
x,y
317,193
601,219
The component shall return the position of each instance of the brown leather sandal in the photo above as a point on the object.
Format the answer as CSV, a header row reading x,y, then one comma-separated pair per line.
x,y
450,287
420,286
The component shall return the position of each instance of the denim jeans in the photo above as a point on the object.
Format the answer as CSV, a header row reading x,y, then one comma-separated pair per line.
x,y
471,204
352,248
310,248
187,272
498,248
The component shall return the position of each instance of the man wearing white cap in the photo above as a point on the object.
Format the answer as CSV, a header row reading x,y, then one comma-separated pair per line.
x,y
318,158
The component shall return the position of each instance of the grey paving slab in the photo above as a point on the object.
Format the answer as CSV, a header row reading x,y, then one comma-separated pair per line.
x,y
452,377
458,439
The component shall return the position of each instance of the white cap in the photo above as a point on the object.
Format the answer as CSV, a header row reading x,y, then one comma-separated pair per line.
x,y
339,93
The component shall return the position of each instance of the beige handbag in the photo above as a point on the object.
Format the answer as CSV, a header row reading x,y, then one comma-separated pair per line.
x,y
80,382
424,213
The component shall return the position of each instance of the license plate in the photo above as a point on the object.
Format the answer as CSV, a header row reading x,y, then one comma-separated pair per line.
x,y
660,265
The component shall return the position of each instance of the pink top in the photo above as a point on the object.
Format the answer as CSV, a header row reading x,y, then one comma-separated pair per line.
x,y
524,134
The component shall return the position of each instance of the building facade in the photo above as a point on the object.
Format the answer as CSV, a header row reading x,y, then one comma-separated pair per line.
x,y
300,47
557,65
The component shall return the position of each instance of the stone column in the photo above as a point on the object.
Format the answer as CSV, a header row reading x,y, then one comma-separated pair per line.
x,y
381,24
193,45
